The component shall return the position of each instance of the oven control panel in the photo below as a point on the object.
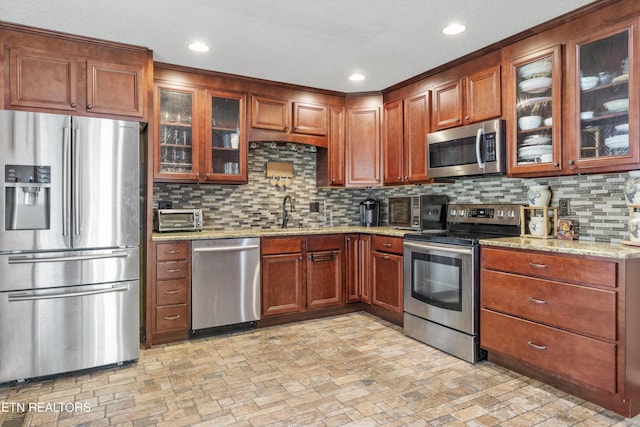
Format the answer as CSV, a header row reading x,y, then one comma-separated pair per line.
x,y
498,214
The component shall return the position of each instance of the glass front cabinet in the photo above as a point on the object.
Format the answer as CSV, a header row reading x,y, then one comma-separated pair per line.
x,y
534,116
604,108
200,144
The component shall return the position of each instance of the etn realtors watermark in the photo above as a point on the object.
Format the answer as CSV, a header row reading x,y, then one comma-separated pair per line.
x,y
18,407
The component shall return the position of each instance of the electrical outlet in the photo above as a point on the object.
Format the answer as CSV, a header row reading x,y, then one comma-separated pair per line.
x,y
564,208
314,207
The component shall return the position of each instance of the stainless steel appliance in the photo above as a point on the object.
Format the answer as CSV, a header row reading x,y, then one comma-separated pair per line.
x,y
225,284
417,212
370,213
441,277
477,149
178,220
69,242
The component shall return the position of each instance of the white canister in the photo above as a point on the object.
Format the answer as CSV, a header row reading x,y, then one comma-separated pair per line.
x,y
634,227
536,226
539,195
235,140
632,188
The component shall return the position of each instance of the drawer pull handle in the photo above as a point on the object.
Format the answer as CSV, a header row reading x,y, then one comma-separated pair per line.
x,y
176,317
537,301
534,265
316,258
173,251
536,346
387,245
172,270
385,256
176,291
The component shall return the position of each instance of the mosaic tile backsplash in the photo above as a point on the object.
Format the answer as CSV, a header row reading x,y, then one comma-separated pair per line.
x,y
597,201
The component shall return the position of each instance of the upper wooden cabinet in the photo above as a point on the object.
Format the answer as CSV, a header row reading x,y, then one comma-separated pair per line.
x,y
470,99
406,123
363,142
59,81
279,114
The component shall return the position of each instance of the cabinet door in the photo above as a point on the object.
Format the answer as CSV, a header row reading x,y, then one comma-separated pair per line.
x,y
310,119
324,279
115,89
392,142
447,108
482,97
365,260
605,118
352,269
270,114
336,145
416,127
534,113
282,284
41,80
363,146
387,281
225,154
176,148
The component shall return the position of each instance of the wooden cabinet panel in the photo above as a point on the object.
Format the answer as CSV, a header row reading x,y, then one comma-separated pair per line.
x,y
172,317
172,270
578,358
387,244
115,88
483,95
325,242
324,279
570,269
172,292
282,245
270,113
310,119
282,284
171,251
358,268
447,106
387,281
393,142
41,80
577,308
337,146
363,146
416,127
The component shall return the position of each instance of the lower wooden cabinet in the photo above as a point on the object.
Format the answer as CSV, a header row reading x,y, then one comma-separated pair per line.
x,y
358,267
386,258
170,308
282,284
564,319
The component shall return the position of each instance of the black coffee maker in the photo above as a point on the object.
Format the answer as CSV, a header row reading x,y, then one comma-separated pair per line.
x,y
370,213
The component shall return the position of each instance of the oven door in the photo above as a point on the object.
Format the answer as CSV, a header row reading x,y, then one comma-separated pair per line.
x,y
441,284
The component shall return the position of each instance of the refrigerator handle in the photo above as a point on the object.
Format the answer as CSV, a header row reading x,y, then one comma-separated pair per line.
x,y
76,183
26,297
66,154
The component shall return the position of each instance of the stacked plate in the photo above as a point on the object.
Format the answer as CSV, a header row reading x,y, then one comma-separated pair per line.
x,y
533,147
535,85
618,144
535,68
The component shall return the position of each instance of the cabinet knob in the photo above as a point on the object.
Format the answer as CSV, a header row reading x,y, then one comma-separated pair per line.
x,y
399,178
197,175
406,178
570,162
89,106
556,164
286,128
458,120
467,118
73,105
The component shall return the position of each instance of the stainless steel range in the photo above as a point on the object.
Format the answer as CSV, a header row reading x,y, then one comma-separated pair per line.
x,y
441,277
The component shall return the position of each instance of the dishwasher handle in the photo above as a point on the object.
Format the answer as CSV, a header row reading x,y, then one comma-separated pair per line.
x,y
227,248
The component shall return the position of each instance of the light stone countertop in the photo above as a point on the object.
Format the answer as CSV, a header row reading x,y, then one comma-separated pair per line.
x,y
273,232
574,247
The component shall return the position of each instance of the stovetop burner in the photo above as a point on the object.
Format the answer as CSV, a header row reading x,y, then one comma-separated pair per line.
x,y
469,223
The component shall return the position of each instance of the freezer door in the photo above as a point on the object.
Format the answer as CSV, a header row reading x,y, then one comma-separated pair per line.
x,y
105,183
34,217
26,271
51,331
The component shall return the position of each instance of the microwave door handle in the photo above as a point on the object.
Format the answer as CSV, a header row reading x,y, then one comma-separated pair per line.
x,y
481,164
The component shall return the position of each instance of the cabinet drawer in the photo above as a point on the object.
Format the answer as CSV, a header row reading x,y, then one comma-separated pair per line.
x,y
281,245
599,272
574,357
172,270
172,251
171,292
578,308
387,244
172,317
324,243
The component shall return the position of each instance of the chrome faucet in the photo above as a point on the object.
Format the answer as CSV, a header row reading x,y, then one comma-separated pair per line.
x,y
285,214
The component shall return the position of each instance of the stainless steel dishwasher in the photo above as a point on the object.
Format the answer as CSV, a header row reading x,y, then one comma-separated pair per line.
x,y
225,285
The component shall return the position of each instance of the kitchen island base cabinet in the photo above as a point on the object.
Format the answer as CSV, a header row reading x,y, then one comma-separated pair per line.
x,y
568,320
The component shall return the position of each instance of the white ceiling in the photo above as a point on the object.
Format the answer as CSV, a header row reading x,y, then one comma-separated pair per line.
x,y
316,43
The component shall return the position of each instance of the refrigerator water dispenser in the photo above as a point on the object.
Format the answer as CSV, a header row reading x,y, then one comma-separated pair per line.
x,y
27,198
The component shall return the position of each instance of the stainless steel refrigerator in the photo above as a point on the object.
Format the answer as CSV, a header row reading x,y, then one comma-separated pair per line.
x,y
69,243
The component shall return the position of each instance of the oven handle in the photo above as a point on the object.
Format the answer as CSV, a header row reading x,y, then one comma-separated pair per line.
x,y
423,246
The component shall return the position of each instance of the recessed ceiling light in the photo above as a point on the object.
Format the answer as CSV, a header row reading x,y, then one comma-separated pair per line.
x,y
453,29
356,77
198,47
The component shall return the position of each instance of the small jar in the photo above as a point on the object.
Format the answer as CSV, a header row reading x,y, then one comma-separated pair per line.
x,y
634,226
539,195
632,188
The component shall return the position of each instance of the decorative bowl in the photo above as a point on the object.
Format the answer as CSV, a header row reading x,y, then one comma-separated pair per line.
x,y
590,82
529,122
535,85
548,121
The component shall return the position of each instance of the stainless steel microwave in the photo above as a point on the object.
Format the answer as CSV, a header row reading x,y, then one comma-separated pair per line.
x,y
477,149
178,220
